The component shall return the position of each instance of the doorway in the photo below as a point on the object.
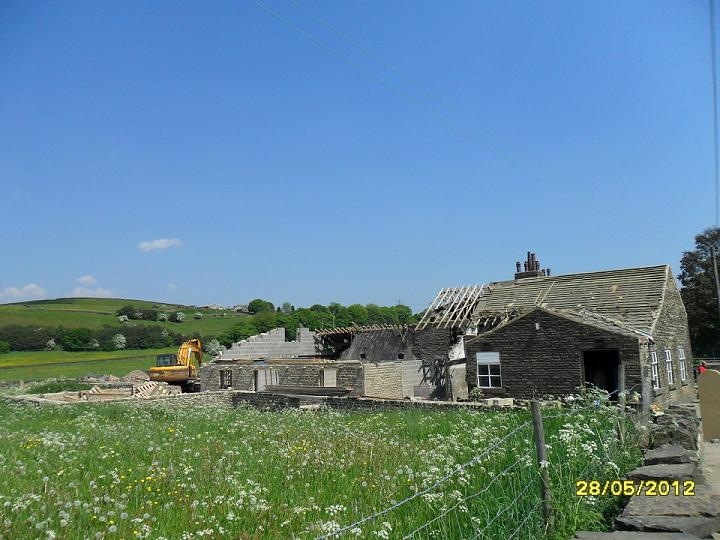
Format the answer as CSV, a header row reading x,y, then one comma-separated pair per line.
x,y
600,368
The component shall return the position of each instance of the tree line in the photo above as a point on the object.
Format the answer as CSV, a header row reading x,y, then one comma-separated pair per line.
x,y
265,316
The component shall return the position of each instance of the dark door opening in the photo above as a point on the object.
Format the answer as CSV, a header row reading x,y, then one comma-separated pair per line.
x,y
601,370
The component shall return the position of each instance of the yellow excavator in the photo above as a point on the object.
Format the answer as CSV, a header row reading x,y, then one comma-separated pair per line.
x,y
181,368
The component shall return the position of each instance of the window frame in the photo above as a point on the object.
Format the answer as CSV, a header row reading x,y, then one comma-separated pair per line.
x,y
669,367
654,370
683,365
486,360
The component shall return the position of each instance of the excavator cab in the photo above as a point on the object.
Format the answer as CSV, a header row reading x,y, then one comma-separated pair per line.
x,y
163,360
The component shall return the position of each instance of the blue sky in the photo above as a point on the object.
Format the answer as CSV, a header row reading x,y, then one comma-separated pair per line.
x,y
312,151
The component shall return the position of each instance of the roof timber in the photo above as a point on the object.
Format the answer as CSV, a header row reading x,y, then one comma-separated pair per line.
x,y
452,307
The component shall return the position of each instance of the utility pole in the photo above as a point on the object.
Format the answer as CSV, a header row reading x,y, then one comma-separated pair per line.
x,y
715,271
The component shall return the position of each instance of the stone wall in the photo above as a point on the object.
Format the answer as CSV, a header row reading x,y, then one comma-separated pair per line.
x,y
432,343
671,333
272,344
383,380
375,346
547,361
287,373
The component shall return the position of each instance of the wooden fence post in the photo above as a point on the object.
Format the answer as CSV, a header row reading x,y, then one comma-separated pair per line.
x,y
541,451
621,402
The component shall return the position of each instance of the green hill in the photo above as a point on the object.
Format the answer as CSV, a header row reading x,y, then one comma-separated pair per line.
x,y
94,313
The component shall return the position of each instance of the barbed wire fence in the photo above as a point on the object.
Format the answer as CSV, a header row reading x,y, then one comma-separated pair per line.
x,y
511,500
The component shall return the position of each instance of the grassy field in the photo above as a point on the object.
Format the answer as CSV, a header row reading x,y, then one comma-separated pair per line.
x,y
95,312
163,472
31,366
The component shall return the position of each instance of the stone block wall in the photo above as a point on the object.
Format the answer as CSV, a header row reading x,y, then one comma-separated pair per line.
x,y
272,344
288,373
671,333
546,361
387,345
383,380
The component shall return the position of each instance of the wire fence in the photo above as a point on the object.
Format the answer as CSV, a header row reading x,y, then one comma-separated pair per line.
x,y
497,493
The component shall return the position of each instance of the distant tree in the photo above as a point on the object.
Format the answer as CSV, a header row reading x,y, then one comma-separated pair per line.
x,y
4,347
198,315
127,311
358,314
150,314
122,318
77,339
213,347
259,305
138,314
50,345
119,341
162,317
699,293
287,308
177,316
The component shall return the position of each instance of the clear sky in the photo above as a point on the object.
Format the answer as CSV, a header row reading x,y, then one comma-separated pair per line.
x,y
313,151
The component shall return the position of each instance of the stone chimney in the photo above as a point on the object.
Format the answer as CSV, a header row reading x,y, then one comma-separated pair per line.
x,y
531,268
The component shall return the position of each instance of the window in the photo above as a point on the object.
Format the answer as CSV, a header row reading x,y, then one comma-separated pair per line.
x,y
488,370
328,378
683,367
668,365
225,378
654,367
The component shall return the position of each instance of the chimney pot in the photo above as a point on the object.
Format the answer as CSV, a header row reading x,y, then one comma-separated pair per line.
x,y
517,266
526,266
548,271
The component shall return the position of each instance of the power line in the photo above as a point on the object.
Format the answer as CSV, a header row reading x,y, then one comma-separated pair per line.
x,y
715,111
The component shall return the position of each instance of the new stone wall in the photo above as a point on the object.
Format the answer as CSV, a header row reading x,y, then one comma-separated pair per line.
x,y
546,361
272,344
384,380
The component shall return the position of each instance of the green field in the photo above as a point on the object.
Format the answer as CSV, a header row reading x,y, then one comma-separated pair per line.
x,y
93,313
159,471
32,366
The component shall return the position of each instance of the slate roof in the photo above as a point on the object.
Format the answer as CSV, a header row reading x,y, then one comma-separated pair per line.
x,y
629,298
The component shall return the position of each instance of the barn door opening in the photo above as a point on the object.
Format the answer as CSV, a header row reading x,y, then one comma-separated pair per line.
x,y
601,370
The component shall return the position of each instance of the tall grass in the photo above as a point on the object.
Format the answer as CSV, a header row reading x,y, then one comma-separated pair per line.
x,y
159,471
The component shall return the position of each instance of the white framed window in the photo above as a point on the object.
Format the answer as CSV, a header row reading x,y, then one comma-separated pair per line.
x,y
669,367
683,366
488,370
654,369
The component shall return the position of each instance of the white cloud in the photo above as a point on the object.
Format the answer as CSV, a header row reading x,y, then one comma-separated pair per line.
x,y
87,281
93,293
159,243
28,292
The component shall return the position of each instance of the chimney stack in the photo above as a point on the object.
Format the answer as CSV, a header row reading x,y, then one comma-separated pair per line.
x,y
531,268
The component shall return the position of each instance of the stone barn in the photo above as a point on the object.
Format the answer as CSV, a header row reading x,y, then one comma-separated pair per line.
x,y
547,335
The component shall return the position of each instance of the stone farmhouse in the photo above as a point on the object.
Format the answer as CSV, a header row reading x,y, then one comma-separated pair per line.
x,y
546,335
532,336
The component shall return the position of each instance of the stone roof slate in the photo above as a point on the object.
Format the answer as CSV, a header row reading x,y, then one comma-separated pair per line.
x,y
629,298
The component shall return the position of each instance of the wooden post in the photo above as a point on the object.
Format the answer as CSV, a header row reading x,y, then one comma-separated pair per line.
x,y
541,451
621,402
